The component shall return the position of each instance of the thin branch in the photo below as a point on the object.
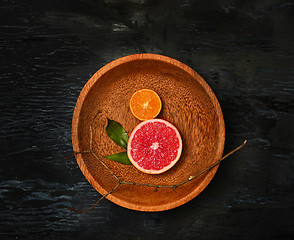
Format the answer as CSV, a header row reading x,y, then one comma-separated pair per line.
x,y
74,153
191,177
109,170
104,196
91,136
217,162
141,184
149,185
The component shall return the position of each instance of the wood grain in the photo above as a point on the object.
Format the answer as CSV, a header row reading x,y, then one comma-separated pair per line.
x,y
188,103
49,50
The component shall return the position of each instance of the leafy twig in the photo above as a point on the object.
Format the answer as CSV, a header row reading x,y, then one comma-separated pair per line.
x,y
123,144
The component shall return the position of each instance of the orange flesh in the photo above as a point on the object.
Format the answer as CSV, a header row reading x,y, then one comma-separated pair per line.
x,y
145,104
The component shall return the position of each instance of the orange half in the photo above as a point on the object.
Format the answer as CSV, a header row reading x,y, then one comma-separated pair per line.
x,y
145,104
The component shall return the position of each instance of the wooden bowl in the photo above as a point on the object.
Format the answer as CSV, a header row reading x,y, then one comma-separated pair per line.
x,y
187,102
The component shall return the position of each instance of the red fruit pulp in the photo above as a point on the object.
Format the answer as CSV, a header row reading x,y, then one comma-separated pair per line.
x,y
154,146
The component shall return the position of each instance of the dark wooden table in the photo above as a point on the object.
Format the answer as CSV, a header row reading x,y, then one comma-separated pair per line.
x,y
49,50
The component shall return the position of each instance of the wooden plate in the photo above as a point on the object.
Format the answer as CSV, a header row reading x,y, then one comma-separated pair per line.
x,y
187,102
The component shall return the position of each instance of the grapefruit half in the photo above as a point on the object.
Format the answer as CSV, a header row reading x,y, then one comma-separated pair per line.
x,y
154,146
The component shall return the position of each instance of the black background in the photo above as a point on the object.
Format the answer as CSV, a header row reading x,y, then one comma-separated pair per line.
x,y
49,50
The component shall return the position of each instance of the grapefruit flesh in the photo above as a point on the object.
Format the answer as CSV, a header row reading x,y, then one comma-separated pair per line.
x,y
154,146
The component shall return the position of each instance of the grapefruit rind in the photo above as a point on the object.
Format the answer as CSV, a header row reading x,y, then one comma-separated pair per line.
x,y
173,162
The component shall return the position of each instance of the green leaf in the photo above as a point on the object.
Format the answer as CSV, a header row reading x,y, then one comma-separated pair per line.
x,y
117,133
121,157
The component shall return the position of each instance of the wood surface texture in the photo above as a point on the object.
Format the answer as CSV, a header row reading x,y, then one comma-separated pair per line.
x,y
244,51
188,103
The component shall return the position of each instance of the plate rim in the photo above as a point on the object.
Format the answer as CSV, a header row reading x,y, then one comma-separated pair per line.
x,y
76,117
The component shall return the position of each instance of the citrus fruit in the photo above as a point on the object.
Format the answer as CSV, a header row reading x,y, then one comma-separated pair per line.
x,y
145,104
154,146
